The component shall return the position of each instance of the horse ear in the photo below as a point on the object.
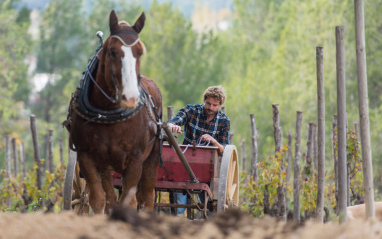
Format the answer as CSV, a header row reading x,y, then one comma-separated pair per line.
x,y
113,22
138,25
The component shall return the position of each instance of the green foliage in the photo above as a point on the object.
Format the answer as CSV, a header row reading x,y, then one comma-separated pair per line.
x,y
354,162
14,86
272,173
24,193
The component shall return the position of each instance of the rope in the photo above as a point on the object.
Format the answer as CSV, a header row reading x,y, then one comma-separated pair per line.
x,y
198,144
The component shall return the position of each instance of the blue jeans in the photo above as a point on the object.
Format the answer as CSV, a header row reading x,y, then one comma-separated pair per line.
x,y
181,198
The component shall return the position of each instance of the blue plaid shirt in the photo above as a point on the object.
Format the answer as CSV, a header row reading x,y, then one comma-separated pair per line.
x,y
195,124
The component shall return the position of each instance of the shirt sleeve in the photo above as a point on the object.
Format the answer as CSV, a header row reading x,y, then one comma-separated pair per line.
x,y
180,118
223,137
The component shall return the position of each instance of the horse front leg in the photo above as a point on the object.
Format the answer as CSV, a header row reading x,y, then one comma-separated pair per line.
x,y
130,179
146,189
108,187
97,198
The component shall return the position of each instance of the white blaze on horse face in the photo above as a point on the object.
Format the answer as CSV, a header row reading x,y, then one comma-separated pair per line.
x,y
130,92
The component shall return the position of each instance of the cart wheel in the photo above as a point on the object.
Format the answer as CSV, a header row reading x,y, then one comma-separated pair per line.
x,y
228,195
76,192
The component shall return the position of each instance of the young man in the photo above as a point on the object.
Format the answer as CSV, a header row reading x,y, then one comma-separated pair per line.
x,y
203,122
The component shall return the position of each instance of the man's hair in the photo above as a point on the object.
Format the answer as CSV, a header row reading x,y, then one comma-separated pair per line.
x,y
216,92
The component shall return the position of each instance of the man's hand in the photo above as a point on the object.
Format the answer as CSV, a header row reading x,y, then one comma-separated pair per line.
x,y
175,128
214,142
209,138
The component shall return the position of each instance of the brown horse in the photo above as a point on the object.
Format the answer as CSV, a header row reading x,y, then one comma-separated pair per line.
x,y
123,138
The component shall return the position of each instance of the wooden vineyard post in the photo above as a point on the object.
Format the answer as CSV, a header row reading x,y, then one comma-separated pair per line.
x,y
309,148
253,148
277,133
355,128
296,169
36,151
320,134
335,159
243,156
61,145
50,151
288,167
231,137
289,156
170,113
22,159
315,147
15,159
364,107
341,128
8,165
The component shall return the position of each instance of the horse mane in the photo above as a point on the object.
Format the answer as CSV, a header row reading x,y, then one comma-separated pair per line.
x,y
139,42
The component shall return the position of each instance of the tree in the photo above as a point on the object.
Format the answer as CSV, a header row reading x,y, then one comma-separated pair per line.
x,y
60,51
13,77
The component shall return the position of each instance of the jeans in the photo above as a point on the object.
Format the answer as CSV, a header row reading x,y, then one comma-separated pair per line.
x,y
181,198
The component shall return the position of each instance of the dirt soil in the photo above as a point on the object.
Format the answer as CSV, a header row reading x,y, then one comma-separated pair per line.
x,y
129,224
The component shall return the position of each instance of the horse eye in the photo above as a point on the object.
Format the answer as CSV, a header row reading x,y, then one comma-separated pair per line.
x,y
113,54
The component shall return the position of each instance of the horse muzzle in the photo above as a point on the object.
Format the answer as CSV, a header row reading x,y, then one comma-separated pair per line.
x,y
129,103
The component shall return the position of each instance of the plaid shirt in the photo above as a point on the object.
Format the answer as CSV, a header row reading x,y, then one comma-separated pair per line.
x,y
195,124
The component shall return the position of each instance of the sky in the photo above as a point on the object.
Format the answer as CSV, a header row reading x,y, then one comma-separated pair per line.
x,y
186,6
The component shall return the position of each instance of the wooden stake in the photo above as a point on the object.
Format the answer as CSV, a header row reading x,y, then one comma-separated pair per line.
x,y
61,151
341,130
253,148
243,156
320,159
364,108
296,169
15,158
335,158
8,165
170,113
50,151
22,159
36,151
276,127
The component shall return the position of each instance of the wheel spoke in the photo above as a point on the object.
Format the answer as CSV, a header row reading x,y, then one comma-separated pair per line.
x,y
232,192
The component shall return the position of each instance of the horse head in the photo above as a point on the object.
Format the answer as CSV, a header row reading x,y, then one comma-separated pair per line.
x,y
121,60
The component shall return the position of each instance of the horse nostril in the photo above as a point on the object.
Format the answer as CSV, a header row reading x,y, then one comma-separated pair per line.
x,y
124,98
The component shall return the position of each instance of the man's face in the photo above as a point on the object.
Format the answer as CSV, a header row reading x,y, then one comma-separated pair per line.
x,y
211,106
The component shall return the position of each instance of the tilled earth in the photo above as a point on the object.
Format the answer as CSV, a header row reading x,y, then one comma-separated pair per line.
x,y
129,224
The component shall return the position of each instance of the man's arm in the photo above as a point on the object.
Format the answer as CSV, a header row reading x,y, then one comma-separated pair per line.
x,y
179,120
214,142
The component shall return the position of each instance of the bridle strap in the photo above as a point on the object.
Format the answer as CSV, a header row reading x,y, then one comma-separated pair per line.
x,y
99,87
